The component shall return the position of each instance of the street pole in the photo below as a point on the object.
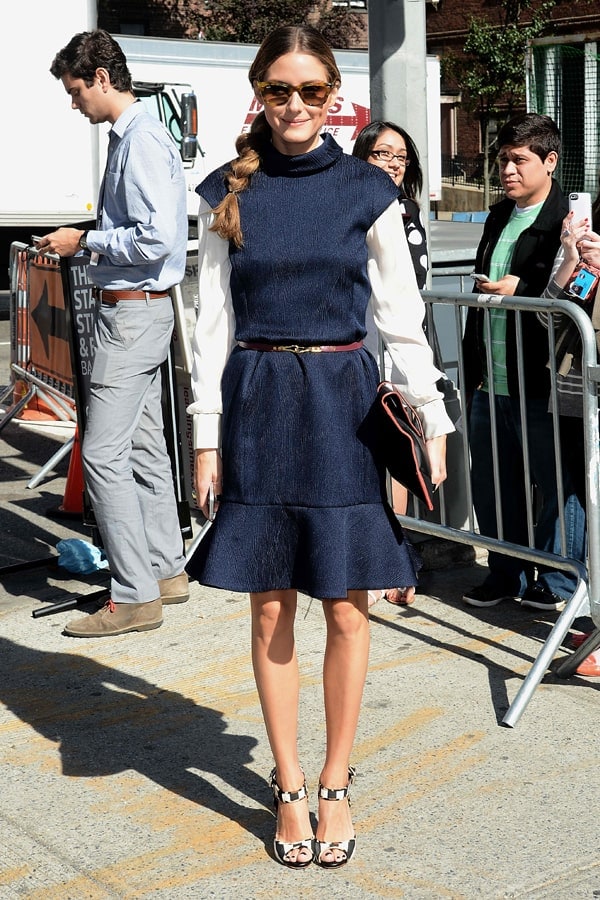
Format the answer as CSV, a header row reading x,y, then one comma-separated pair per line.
x,y
398,73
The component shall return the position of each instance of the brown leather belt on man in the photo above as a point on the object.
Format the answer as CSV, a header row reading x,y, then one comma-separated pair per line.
x,y
113,297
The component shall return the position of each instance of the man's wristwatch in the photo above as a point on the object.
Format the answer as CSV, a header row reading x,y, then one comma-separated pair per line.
x,y
83,241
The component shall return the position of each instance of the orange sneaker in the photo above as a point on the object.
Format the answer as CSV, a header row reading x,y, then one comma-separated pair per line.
x,y
590,666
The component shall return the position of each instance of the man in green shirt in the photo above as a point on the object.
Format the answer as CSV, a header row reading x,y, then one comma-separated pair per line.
x,y
520,239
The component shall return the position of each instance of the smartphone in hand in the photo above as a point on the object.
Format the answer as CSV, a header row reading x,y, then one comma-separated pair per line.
x,y
477,276
580,203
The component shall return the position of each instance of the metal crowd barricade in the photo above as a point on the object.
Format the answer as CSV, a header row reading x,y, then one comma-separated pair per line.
x,y
52,315
587,594
40,364
52,347
39,349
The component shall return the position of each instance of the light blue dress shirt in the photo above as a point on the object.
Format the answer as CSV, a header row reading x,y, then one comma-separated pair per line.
x,y
141,236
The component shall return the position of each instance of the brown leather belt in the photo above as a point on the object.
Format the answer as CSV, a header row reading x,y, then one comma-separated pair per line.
x,y
300,348
115,296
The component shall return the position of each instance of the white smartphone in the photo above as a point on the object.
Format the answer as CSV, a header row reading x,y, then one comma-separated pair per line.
x,y
477,276
581,205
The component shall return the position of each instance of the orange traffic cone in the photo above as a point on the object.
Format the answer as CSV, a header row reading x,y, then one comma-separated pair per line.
x,y
73,496
35,410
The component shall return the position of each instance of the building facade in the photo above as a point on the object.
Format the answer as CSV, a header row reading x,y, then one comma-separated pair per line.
x,y
447,28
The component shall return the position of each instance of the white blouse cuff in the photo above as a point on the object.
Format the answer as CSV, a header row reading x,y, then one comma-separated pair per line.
x,y
207,430
435,419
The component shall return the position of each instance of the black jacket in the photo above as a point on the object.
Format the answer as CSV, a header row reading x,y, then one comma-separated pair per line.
x,y
532,261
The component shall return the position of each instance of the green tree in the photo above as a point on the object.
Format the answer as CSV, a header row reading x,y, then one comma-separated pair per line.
x,y
249,21
164,18
490,69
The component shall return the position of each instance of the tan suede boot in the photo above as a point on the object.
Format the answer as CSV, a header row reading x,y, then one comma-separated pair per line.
x,y
118,618
175,589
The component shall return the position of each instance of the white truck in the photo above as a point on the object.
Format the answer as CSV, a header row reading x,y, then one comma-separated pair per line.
x,y
53,160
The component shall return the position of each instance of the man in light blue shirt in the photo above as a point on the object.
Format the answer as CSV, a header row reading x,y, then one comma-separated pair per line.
x,y
138,252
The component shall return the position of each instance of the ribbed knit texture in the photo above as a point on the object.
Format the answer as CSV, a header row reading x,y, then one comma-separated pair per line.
x,y
302,499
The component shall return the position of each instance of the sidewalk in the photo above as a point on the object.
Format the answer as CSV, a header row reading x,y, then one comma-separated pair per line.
x,y
136,766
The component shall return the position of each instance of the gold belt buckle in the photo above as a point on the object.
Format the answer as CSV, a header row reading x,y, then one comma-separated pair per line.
x,y
298,348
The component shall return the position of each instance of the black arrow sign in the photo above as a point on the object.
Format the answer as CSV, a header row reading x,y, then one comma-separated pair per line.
x,y
50,320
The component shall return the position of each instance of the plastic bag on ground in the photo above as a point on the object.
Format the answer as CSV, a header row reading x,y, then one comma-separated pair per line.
x,y
80,557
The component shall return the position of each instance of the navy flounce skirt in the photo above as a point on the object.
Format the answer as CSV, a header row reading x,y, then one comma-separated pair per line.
x,y
304,503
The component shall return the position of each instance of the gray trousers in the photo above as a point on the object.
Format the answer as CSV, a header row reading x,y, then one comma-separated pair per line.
x,y
125,463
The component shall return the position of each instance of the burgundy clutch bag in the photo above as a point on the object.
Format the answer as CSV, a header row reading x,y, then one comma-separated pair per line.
x,y
400,442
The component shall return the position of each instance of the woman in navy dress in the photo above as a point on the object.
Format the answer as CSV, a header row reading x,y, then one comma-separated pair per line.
x,y
295,239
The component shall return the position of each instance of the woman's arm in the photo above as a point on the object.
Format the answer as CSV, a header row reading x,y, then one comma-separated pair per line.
x,y
398,310
416,237
211,345
213,333
576,240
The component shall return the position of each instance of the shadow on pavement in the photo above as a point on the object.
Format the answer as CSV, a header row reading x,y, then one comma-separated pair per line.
x,y
105,721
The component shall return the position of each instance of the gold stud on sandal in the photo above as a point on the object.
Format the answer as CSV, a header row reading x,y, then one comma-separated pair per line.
x,y
347,847
282,849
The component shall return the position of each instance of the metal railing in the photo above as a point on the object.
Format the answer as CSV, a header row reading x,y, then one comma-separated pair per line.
x,y
587,594
468,170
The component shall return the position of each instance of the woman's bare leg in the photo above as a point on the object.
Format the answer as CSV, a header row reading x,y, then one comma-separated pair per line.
x,y
344,673
399,498
403,595
278,682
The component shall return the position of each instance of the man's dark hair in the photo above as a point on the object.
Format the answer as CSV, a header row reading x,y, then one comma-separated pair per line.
x,y
539,133
91,50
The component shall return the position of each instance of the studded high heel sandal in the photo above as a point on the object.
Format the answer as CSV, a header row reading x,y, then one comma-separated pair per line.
x,y
282,849
347,847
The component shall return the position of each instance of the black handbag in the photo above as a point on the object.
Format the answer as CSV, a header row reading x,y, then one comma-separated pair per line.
x,y
395,435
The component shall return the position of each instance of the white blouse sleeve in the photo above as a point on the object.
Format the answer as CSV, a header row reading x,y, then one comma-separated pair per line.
x,y
213,333
398,311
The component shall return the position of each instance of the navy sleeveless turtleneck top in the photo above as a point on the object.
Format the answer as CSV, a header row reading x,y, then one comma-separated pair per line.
x,y
287,282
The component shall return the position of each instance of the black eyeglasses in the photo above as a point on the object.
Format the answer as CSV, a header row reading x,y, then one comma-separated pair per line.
x,y
278,93
388,156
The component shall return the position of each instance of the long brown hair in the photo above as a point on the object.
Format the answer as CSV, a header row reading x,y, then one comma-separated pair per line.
x,y
286,39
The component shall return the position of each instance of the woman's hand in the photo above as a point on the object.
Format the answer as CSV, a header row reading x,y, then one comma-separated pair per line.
x,y
208,474
576,240
436,453
589,247
572,233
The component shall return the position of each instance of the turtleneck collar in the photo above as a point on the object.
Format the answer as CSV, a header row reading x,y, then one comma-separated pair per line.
x,y
323,156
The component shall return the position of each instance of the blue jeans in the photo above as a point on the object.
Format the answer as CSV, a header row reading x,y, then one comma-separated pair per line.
x,y
508,572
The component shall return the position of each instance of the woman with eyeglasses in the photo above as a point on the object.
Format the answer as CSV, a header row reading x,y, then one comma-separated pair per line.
x,y
390,147
294,239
